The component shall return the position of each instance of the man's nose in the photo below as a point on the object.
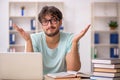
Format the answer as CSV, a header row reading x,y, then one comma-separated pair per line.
x,y
49,24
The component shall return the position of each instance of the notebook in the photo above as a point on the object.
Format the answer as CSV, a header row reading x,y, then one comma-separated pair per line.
x,y
21,65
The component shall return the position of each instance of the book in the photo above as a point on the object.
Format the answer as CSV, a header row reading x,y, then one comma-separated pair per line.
x,y
106,70
63,74
70,78
114,38
106,61
68,74
33,24
114,52
96,38
10,24
106,65
104,78
12,38
106,74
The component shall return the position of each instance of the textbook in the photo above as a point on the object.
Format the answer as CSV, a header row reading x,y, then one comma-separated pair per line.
x,y
104,78
106,65
106,74
106,70
69,75
106,61
68,78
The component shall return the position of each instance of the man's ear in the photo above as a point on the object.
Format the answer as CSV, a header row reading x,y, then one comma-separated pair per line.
x,y
60,22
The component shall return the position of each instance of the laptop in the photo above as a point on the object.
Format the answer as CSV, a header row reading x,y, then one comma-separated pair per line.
x,y
21,65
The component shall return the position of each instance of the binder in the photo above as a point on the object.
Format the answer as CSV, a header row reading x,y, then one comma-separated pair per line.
x,y
96,38
33,24
114,38
10,24
12,38
114,53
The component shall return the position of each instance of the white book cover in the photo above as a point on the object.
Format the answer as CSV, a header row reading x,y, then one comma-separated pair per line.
x,y
106,74
103,78
106,65
106,61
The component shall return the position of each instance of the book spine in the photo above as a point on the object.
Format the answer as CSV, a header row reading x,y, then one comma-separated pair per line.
x,y
114,38
33,24
96,38
114,53
22,11
10,24
12,38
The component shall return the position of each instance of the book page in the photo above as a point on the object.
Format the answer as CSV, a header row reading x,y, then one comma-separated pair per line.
x,y
61,74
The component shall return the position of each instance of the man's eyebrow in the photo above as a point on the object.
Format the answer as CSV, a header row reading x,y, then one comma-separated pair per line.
x,y
50,18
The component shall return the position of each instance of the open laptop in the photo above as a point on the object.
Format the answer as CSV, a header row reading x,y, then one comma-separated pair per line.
x,y
21,65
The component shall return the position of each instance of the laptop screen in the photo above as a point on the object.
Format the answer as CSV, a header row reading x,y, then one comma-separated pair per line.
x,y
21,65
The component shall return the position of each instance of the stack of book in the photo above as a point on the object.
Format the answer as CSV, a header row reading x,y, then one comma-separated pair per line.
x,y
106,69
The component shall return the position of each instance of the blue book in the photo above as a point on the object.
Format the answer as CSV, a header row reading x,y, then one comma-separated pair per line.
x,y
96,38
22,11
114,38
33,24
12,38
114,53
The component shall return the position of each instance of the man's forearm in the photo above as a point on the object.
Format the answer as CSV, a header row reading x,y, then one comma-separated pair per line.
x,y
73,63
29,47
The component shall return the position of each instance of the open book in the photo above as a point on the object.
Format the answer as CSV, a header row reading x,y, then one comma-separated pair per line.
x,y
68,74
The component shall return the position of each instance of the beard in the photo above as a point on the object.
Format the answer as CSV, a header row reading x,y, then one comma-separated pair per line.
x,y
52,34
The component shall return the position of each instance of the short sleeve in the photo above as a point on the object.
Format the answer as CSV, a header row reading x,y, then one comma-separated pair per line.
x,y
34,42
69,43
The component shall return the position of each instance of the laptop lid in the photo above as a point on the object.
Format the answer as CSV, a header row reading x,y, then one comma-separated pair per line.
x,y
21,65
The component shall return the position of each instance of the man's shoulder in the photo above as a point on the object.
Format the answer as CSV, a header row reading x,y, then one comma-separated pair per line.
x,y
37,34
66,33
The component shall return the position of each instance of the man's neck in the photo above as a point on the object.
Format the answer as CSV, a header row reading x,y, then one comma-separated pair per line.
x,y
53,40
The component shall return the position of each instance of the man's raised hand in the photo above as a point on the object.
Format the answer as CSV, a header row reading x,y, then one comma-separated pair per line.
x,y
24,34
81,34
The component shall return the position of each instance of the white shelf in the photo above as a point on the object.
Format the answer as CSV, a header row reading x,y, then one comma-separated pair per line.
x,y
102,14
106,31
105,45
21,16
17,45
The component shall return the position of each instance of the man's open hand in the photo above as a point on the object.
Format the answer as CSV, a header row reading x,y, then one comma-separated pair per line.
x,y
81,34
24,34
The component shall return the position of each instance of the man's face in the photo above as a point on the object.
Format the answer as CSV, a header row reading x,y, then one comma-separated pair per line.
x,y
51,25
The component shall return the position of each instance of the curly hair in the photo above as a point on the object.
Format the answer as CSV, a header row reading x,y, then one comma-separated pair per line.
x,y
53,11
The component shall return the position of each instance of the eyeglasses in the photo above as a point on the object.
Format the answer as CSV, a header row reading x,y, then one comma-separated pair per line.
x,y
53,21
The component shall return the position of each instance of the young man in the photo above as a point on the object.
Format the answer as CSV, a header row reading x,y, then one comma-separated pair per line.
x,y
59,49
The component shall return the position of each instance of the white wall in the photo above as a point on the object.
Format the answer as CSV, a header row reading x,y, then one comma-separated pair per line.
x,y
77,16
3,25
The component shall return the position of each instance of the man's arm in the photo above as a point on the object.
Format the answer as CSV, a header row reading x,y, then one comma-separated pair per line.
x,y
29,47
73,58
26,36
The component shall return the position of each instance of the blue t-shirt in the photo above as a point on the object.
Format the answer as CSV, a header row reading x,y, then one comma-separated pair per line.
x,y
53,59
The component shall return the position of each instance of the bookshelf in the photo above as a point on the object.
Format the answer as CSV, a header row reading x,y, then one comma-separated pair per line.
x,y
105,42
25,15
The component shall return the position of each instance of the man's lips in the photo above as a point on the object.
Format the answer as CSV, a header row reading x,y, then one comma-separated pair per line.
x,y
51,28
